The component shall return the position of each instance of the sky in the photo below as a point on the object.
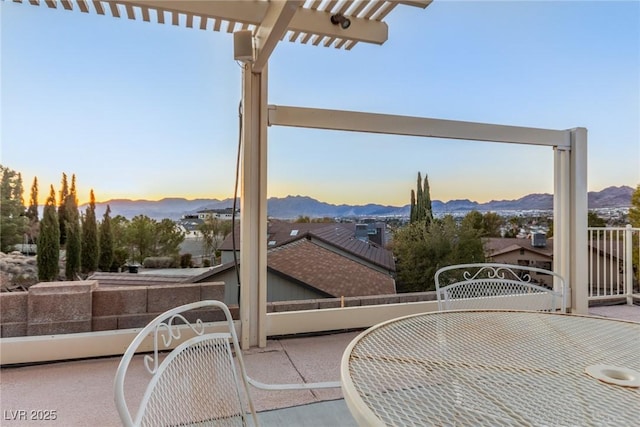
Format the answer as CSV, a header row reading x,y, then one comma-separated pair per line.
x,y
140,110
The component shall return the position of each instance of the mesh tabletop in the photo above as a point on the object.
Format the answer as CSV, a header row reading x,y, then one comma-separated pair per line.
x,y
492,368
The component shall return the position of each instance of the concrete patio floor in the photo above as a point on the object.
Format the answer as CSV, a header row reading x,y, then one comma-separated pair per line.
x,y
81,392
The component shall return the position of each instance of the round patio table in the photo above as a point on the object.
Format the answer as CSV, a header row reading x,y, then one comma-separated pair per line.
x,y
492,368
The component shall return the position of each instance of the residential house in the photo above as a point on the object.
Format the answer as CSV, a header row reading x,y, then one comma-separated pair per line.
x,y
606,259
313,260
536,251
224,214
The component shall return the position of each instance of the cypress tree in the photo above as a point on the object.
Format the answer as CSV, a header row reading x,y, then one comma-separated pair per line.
x,y
13,223
32,213
106,242
49,241
62,211
73,245
32,210
89,249
419,200
412,214
426,192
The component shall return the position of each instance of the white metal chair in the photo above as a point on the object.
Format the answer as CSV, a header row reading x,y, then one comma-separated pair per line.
x,y
197,383
499,286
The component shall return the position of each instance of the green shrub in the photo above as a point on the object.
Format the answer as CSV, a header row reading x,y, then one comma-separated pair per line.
x,y
159,262
185,261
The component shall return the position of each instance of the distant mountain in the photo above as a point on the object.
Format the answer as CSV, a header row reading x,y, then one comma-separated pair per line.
x,y
295,206
172,208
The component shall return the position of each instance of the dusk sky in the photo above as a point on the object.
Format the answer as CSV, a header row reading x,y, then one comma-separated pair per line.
x,y
141,110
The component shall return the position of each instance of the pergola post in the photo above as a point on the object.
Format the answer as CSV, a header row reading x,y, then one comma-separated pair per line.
x,y
579,256
562,217
253,209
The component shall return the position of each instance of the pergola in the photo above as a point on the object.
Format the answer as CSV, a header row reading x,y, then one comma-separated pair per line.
x,y
258,27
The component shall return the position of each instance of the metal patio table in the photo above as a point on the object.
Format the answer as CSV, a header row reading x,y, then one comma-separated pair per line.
x,y
492,368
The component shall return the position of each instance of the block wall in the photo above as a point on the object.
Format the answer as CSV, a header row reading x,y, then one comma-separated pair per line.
x,y
69,307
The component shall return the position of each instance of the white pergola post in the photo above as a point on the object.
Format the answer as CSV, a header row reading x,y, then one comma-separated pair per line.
x,y
578,257
562,215
253,209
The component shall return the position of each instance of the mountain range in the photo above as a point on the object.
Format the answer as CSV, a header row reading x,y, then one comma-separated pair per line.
x,y
295,206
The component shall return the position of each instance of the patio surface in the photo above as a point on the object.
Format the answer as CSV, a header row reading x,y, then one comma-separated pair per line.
x,y
81,392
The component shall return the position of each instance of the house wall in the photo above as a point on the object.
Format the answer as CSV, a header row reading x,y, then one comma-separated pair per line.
x,y
227,256
281,289
528,258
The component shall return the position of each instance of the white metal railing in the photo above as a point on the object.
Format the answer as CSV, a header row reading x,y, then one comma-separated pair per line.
x,y
613,263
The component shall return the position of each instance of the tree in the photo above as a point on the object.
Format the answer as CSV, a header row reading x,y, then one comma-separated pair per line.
x,y
634,211
74,239
49,241
513,228
492,225
105,258
141,237
421,202
168,239
634,220
89,248
32,213
488,225
121,246
62,211
412,212
213,231
593,220
421,249
13,222
426,244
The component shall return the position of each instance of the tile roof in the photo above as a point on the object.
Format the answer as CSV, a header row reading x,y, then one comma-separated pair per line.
x,y
343,236
502,245
327,271
339,235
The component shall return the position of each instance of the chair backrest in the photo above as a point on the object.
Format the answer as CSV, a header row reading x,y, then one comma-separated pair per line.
x,y
195,383
499,286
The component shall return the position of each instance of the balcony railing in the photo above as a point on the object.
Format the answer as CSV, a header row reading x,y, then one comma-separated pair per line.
x,y
613,263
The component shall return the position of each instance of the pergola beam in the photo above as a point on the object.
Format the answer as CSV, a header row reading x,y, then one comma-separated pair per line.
x,y
271,30
256,12
412,126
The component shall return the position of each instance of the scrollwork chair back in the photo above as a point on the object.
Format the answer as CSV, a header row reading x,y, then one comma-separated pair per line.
x,y
499,286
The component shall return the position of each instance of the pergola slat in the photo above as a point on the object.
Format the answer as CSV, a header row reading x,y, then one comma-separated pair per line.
x,y
114,9
98,6
84,7
310,22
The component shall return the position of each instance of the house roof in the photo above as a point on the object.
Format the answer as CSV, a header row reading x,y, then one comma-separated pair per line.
x,y
342,235
327,271
339,235
499,246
